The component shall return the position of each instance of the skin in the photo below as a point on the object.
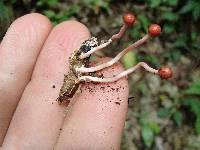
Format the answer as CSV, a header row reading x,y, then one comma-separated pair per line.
x,y
33,58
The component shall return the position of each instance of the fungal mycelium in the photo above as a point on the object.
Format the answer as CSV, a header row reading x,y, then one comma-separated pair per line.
x,y
80,72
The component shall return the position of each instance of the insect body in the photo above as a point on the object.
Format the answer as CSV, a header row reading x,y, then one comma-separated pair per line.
x,y
79,62
71,82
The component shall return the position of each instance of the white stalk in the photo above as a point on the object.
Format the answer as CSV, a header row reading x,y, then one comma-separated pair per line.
x,y
114,37
116,59
119,76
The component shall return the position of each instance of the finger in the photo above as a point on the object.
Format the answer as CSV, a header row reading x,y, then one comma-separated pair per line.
x,y
97,118
18,53
38,117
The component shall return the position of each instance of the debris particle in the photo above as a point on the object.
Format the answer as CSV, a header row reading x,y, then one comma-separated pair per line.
x,y
117,89
102,87
113,89
54,86
130,98
117,103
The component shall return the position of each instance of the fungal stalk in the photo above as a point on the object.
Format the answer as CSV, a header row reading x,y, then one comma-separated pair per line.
x,y
121,75
154,30
79,61
129,20
114,60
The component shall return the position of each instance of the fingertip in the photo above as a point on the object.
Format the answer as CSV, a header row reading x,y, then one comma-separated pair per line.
x,y
37,17
98,115
19,50
75,29
36,20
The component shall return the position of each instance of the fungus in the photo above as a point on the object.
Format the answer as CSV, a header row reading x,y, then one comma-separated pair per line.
x,y
80,72
129,19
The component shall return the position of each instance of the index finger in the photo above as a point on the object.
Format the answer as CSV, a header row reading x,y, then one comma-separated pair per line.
x,y
38,118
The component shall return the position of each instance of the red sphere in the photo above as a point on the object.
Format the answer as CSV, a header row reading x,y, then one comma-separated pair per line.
x,y
154,30
165,73
129,19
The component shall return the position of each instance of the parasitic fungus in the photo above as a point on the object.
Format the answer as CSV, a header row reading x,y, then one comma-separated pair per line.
x,y
80,71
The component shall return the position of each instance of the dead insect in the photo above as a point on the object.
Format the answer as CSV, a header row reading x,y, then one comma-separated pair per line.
x,y
80,71
71,80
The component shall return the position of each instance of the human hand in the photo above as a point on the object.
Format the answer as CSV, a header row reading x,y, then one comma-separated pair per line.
x,y
33,58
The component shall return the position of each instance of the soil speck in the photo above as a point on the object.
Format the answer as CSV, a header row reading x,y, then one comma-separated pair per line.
x,y
117,103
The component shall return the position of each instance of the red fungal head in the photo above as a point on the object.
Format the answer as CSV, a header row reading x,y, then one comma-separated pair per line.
x,y
129,19
154,30
165,72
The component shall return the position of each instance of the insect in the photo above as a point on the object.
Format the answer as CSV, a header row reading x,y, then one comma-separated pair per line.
x,y
80,72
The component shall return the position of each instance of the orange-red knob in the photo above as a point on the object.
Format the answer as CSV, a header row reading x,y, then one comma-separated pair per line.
x,y
129,19
165,73
154,30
